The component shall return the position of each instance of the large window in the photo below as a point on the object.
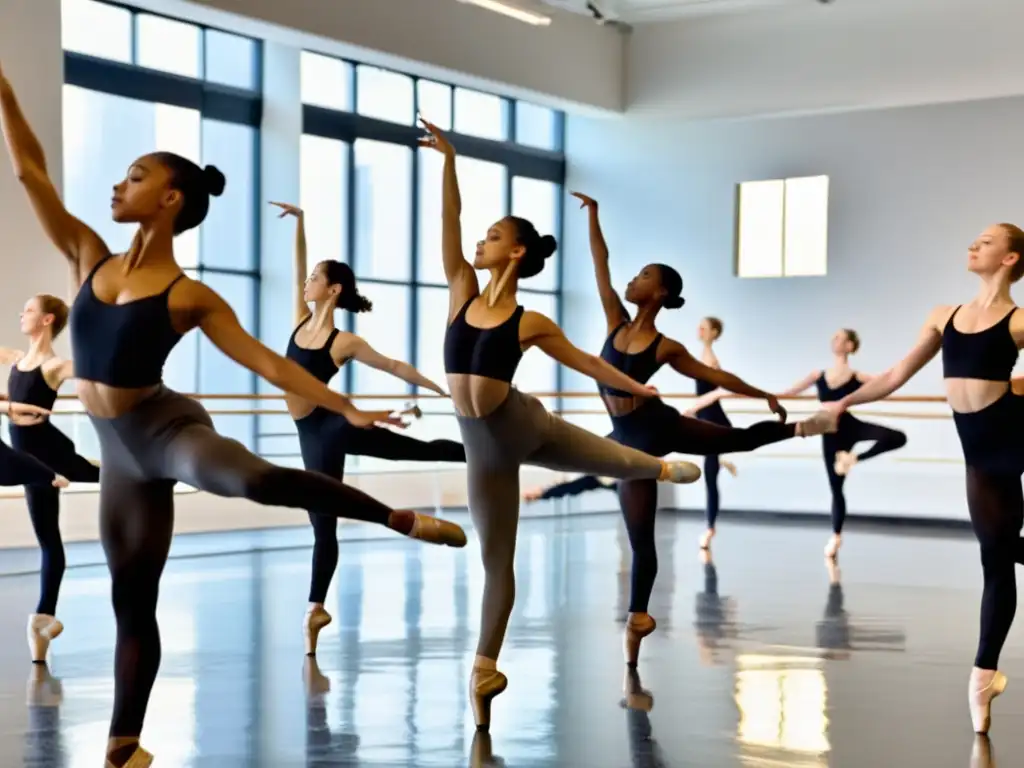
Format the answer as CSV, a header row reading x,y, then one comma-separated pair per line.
x,y
373,199
135,83
783,228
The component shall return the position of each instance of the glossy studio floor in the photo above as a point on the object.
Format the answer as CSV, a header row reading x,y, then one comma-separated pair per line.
x,y
763,657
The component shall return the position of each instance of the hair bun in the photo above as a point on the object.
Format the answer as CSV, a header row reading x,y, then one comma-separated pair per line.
x,y
547,245
214,179
674,302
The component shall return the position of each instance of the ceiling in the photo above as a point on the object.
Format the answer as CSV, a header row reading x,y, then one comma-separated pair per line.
x,y
640,11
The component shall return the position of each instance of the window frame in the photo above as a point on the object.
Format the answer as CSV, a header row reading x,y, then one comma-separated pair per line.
x,y
214,101
522,160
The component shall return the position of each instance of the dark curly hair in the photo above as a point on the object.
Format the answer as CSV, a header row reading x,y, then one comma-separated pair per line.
x,y
350,299
539,248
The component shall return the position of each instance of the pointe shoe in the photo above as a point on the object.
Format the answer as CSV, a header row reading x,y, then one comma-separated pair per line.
x,y
434,530
824,422
316,619
729,467
832,547
316,682
484,685
681,472
705,540
43,689
61,482
845,461
638,626
40,631
979,698
140,759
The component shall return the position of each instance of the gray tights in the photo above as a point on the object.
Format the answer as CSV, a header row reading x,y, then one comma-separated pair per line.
x,y
521,432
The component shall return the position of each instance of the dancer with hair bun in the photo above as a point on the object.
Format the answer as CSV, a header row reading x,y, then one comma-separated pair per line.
x,y
834,384
636,347
130,311
502,428
35,377
325,437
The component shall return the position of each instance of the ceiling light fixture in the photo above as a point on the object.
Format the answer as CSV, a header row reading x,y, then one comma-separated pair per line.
x,y
512,11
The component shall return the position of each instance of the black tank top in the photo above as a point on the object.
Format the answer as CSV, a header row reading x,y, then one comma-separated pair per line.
x,y
827,394
317,361
988,355
491,352
121,345
30,387
639,366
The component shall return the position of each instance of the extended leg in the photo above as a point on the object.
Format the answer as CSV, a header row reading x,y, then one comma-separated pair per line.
x,y
702,438
858,431
382,443
19,468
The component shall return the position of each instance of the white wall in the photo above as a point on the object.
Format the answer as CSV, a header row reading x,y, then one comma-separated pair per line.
x,y
844,55
910,188
572,61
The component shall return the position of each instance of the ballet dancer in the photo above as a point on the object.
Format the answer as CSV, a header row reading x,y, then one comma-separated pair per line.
x,y
635,347
130,311
325,437
501,427
708,407
834,384
980,341
581,485
35,377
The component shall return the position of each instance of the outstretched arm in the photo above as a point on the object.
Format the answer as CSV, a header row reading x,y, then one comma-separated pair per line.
x,y
539,331
709,398
801,386
82,247
350,346
682,361
301,308
220,324
462,281
929,342
614,312
9,356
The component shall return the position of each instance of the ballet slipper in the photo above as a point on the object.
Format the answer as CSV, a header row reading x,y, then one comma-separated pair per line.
x,y
705,540
824,422
680,472
984,686
845,460
832,547
40,631
434,530
316,682
140,758
484,686
316,619
636,696
638,626
729,467
533,494
60,482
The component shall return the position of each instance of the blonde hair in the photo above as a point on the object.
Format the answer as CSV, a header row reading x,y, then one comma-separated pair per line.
x,y
52,305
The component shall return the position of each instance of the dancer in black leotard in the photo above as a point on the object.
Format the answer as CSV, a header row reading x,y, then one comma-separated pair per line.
x,y
980,343
325,438
635,347
834,384
130,312
487,333
708,407
582,484
35,377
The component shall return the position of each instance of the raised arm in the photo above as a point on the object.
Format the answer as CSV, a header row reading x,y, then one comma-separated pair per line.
x,y
929,342
300,268
709,398
538,331
349,346
681,360
614,312
82,247
220,324
801,386
461,277
9,356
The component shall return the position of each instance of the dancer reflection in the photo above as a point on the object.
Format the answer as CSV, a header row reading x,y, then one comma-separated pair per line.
x,y
715,620
44,737
322,744
644,750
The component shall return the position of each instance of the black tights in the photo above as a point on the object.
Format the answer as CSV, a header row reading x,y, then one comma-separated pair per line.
x,y
325,439
55,449
996,505
850,432
661,430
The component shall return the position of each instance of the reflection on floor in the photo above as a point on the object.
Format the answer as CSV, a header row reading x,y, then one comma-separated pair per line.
x,y
763,657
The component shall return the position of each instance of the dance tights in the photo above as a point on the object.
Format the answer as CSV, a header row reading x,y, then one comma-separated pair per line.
x,y
850,432
714,414
517,432
52,447
576,487
325,438
169,438
659,429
